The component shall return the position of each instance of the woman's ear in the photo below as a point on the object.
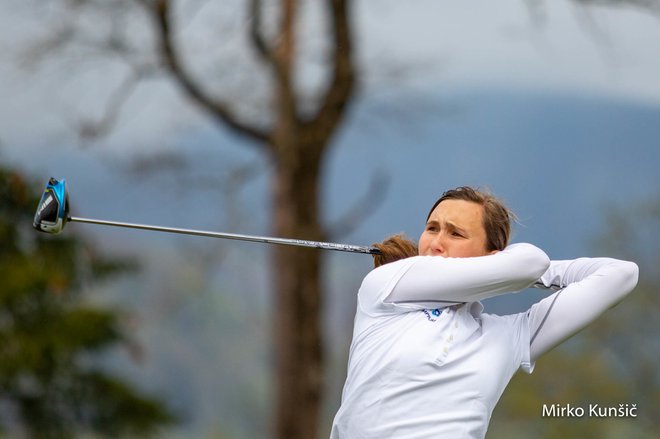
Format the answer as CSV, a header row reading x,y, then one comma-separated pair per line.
x,y
493,252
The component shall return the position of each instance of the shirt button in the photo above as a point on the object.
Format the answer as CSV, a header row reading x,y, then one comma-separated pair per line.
x,y
451,338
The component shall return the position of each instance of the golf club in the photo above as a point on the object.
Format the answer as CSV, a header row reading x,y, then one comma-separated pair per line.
x,y
53,214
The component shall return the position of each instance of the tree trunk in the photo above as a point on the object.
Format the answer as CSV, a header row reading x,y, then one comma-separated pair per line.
x,y
296,142
297,316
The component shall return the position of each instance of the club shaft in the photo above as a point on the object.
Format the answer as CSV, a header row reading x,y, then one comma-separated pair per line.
x,y
251,238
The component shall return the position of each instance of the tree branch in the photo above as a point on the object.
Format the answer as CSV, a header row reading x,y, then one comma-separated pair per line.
x,y
280,59
257,38
340,89
100,128
361,208
651,6
160,9
283,61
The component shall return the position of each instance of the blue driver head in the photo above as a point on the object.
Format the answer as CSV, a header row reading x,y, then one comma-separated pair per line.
x,y
53,209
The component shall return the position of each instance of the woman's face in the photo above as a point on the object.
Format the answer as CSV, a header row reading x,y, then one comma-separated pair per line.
x,y
454,229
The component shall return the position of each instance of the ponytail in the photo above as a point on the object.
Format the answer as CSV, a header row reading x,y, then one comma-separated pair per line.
x,y
394,248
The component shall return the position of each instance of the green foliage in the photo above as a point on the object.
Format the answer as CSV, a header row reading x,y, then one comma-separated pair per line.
x,y
614,361
49,338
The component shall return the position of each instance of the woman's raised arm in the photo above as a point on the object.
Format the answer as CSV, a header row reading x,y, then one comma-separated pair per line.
x,y
589,287
435,278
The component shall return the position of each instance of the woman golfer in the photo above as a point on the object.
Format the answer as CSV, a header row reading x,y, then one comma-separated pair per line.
x,y
425,362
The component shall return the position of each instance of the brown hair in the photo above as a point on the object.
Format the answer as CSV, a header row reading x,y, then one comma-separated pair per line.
x,y
497,224
394,248
497,217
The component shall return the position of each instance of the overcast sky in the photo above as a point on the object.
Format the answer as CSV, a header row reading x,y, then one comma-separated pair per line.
x,y
453,44
601,50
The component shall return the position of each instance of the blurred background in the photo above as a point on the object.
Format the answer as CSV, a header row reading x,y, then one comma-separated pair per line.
x,y
319,120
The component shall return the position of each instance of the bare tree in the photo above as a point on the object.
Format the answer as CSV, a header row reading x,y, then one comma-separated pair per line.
x,y
294,134
296,142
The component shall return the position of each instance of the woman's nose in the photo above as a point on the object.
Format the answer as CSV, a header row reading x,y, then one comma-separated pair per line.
x,y
438,243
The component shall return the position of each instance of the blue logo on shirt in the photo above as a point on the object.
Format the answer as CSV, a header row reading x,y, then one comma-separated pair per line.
x,y
435,312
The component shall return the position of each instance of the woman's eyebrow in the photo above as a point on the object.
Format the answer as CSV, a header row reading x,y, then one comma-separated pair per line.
x,y
455,226
448,224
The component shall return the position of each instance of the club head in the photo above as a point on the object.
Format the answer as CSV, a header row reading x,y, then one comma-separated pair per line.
x,y
53,209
